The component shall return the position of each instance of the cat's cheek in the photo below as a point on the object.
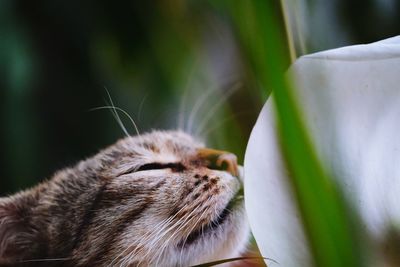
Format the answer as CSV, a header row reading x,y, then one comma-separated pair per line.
x,y
240,236
228,241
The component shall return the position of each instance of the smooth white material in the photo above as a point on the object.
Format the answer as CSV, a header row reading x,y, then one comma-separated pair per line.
x,y
350,100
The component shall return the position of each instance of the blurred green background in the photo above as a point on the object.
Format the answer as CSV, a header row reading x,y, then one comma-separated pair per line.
x,y
57,58
206,65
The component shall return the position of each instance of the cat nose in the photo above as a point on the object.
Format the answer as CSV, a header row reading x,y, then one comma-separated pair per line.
x,y
219,160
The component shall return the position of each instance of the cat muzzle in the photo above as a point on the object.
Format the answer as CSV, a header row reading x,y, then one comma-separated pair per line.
x,y
219,160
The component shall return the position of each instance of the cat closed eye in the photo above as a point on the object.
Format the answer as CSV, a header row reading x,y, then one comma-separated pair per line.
x,y
176,167
158,166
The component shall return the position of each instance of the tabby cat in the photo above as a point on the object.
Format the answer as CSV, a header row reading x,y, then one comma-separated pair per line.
x,y
157,199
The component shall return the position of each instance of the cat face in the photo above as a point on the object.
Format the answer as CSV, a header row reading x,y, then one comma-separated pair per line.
x,y
156,199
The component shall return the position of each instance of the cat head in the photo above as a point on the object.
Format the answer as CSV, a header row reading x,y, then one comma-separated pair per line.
x,y
161,198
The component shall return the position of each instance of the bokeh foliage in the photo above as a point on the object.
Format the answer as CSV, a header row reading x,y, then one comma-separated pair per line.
x,y
56,57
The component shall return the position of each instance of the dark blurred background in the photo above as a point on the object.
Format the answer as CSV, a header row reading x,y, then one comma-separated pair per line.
x,y
57,58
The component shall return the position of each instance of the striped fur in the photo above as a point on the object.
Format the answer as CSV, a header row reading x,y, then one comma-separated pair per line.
x,y
148,200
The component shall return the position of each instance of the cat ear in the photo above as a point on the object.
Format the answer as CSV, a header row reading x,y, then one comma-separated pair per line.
x,y
17,234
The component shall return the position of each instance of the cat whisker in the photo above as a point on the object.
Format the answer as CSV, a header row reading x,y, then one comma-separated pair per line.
x,y
154,243
199,103
165,243
44,260
182,105
141,107
188,221
115,113
183,224
194,226
189,232
126,260
222,122
159,237
125,113
145,238
215,107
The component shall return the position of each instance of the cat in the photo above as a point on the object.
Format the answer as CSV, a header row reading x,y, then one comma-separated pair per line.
x,y
156,199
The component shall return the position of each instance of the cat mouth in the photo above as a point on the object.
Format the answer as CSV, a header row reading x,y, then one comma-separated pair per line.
x,y
217,222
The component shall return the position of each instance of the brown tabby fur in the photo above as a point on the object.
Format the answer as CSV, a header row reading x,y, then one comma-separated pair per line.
x,y
107,211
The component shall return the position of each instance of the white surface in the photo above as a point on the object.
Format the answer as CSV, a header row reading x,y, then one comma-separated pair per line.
x,y
350,99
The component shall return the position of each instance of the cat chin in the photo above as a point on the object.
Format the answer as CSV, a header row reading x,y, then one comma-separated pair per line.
x,y
230,240
226,241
